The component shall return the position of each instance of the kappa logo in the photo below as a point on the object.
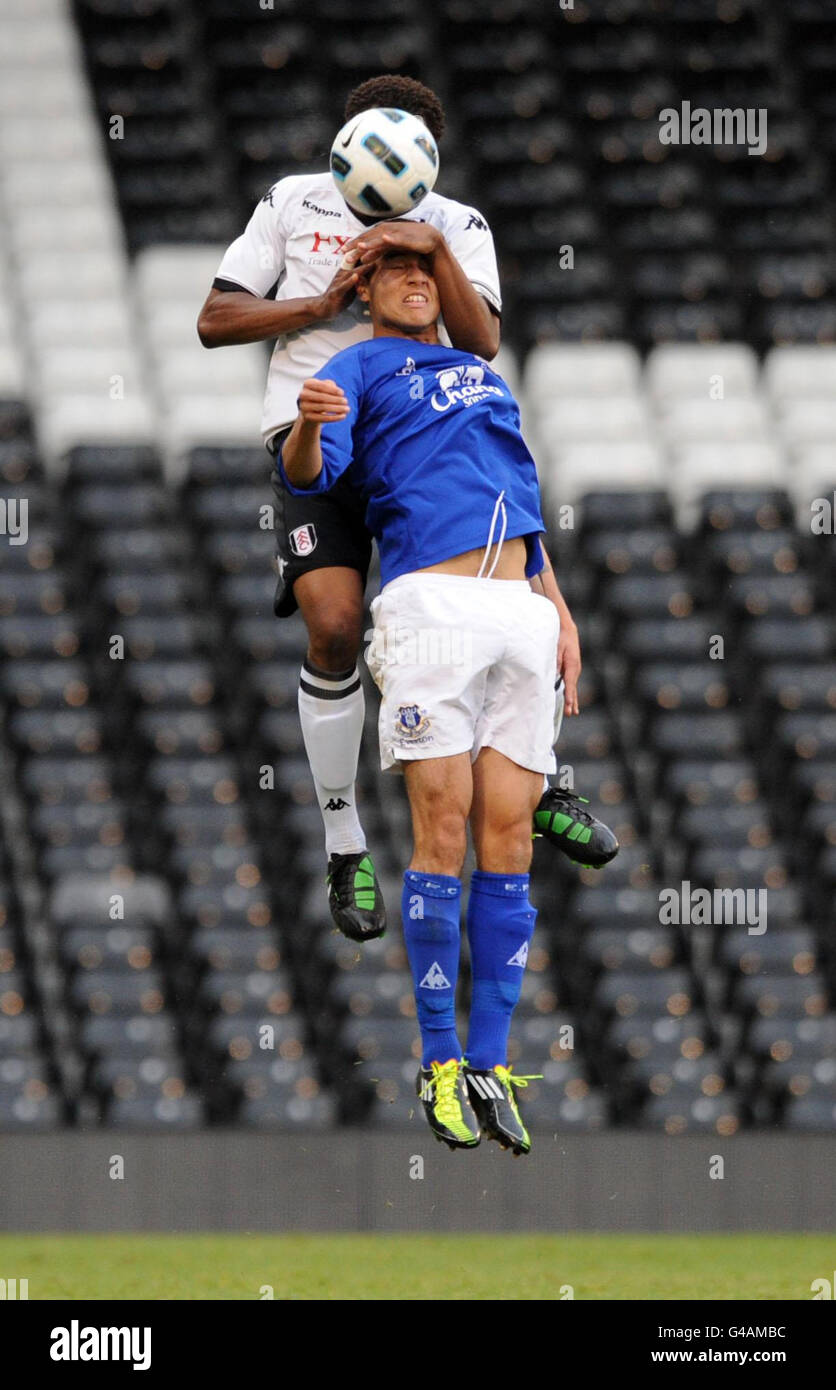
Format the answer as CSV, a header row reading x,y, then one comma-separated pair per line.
x,y
323,212
519,957
435,978
338,805
408,368
411,722
303,540
463,385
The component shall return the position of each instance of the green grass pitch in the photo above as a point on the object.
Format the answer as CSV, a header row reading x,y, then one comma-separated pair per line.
x,y
390,1266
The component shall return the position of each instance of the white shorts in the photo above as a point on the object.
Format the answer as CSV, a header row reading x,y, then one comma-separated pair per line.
x,y
464,664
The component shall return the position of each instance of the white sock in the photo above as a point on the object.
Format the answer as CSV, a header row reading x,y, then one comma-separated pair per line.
x,y
331,711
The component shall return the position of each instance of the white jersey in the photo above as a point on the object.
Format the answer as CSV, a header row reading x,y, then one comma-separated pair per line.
x,y
294,241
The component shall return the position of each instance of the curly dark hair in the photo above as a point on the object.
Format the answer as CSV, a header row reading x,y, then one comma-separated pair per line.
x,y
390,89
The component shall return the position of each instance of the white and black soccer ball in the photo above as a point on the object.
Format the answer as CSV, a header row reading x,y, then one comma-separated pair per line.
x,y
384,161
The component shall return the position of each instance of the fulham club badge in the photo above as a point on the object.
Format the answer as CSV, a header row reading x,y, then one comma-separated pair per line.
x,y
303,540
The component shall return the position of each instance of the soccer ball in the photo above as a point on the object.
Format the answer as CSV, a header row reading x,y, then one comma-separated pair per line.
x,y
384,161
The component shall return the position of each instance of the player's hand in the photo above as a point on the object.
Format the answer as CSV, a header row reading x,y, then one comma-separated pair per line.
x,y
419,237
340,292
322,402
569,666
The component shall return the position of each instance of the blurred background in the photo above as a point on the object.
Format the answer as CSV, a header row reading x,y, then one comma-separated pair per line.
x,y
167,960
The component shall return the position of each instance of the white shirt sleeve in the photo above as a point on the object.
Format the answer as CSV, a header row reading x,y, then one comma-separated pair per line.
x,y
255,261
469,238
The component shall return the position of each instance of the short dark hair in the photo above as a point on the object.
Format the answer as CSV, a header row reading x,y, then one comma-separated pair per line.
x,y
390,89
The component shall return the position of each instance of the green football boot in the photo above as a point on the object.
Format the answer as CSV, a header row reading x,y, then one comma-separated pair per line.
x,y
354,896
561,819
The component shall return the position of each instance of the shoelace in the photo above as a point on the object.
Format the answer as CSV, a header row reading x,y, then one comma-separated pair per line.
x,y
339,886
341,879
572,800
507,1078
445,1075
509,1081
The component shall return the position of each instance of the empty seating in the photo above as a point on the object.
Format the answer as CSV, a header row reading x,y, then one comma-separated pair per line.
x,y
669,326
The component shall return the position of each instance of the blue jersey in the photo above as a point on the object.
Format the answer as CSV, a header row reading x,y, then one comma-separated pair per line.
x,y
433,443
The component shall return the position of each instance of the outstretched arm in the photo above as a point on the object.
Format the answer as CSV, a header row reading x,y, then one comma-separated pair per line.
x,y
232,316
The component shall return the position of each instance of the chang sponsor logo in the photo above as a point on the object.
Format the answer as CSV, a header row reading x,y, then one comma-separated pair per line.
x,y
463,385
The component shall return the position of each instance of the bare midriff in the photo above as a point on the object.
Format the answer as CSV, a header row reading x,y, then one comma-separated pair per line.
x,y
511,563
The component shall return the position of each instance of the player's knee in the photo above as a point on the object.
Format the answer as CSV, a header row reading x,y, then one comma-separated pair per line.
x,y
441,842
334,638
506,847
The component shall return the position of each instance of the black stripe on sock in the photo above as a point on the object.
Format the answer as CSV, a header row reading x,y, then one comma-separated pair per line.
x,y
327,675
321,694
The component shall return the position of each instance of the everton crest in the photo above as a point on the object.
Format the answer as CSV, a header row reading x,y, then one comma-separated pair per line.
x,y
412,721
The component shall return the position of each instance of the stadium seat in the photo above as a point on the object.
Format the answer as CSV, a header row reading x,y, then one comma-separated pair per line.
x,y
685,420
701,468
594,370
811,1115
278,1112
156,1113
793,373
99,417
687,1110
627,992
573,470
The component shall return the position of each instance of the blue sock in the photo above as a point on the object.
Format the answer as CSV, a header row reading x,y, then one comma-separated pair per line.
x,y
431,907
500,924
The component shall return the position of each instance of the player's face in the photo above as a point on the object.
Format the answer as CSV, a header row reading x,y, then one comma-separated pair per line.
x,y
403,293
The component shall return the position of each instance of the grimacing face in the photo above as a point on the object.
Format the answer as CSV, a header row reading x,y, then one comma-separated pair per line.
x,y
402,293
